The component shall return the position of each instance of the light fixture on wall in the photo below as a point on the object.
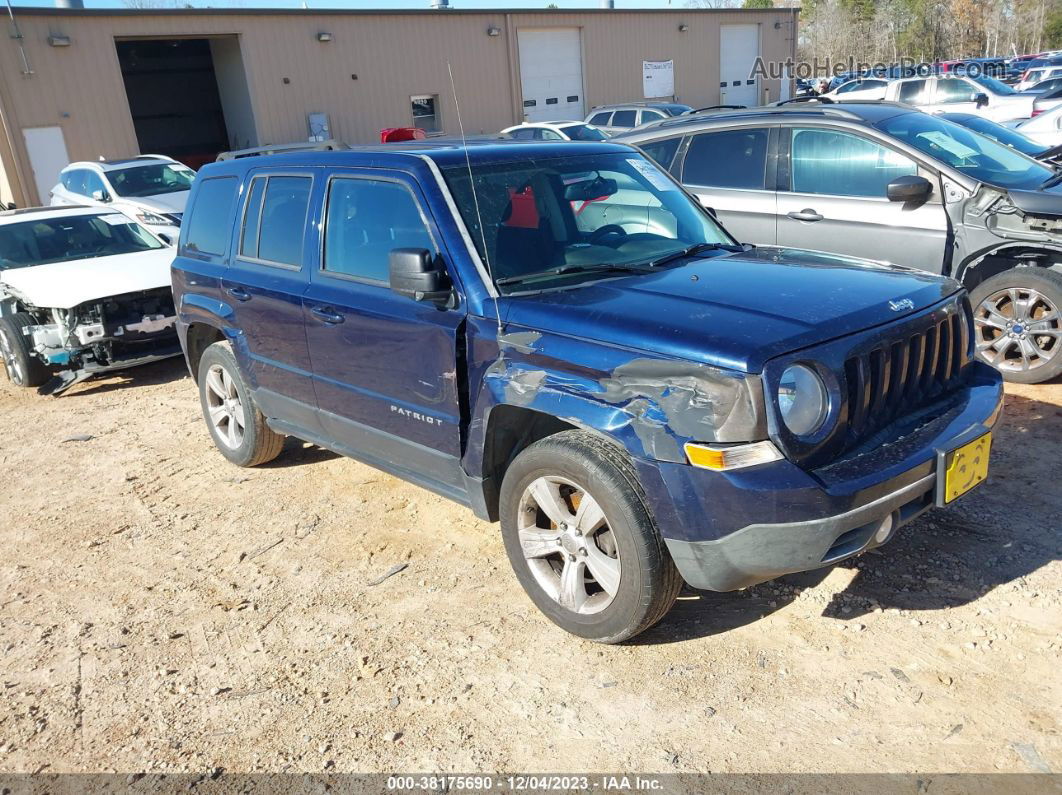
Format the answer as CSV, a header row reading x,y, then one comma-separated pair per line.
x,y
683,27
493,30
59,41
324,35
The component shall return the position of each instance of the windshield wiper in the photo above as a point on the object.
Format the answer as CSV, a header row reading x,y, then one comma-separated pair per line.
x,y
566,269
689,251
1053,180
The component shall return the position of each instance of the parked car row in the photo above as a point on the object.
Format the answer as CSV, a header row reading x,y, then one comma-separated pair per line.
x,y
882,177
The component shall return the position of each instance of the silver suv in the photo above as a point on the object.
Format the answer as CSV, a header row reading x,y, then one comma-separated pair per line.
x,y
614,119
886,182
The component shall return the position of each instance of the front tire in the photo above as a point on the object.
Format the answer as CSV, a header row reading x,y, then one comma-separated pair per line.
x,y
238,428
23,367
1018,323
581,540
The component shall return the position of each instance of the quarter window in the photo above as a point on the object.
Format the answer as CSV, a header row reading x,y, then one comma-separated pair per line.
x,y
366,219
275,219
207,229
663,152
727,159
840,164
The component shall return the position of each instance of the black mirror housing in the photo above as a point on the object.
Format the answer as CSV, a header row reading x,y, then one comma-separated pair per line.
x,y
981,100
416,274
909,189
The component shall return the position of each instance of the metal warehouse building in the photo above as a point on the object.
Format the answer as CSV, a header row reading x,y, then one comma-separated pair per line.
x,y
83,84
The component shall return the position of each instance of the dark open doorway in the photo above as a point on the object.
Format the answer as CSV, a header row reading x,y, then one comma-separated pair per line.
x,y
188,97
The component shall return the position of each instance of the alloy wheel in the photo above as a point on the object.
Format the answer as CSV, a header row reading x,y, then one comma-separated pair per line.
x,y
1017,329
225,407
568,545
11,363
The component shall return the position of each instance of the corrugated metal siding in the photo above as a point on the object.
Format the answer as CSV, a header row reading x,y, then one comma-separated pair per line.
x,y
394,56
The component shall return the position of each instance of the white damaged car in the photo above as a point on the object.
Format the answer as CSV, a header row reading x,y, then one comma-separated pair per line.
x,y
82,291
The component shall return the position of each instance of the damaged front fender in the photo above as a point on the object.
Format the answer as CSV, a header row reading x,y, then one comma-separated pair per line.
x,y
651,406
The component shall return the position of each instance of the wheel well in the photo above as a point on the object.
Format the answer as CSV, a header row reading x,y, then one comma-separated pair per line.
x,y
200,337
510,430
977,271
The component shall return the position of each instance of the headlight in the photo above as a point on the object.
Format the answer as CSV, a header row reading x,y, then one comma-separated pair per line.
x,y
153,218
802,399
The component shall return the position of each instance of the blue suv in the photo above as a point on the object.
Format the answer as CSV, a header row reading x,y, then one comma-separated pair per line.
x,y
558,336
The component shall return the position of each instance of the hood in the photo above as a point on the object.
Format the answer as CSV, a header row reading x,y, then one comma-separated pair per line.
x,y
737,310
164,203
64,285
1046,202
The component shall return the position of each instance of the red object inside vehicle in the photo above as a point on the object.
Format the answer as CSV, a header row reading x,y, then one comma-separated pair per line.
x,y
391,134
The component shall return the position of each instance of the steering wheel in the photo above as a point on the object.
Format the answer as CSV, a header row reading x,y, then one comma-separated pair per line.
x,y
608,229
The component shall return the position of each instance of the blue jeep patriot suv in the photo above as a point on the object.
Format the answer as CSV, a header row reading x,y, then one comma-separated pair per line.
x,y
558,336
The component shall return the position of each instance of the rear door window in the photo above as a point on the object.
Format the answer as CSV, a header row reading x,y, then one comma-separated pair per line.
x,y
365,220
601,119
207,228
727,159
913,92
623,118
274,221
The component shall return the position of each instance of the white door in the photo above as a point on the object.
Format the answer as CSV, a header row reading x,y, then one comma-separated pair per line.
x,y
47,155
739,47
551,74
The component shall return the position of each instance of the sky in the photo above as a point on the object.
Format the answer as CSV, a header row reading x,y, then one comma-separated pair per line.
x,y
364,4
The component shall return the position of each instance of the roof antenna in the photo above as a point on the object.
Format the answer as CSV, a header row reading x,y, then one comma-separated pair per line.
x,y
475,196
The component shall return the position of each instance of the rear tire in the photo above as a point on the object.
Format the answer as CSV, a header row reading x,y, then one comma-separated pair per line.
x,y
23,367
1018,323
581,540
238,428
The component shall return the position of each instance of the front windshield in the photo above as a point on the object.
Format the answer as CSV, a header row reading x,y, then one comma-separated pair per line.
x,y
151,180
993,85
997,132
589,215
584,132
967,151
71,237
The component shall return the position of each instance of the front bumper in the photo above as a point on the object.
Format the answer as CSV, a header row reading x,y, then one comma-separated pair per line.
x,y
730,530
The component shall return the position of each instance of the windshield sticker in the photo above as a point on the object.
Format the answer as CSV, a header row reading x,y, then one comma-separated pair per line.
x,y
948,144
115,219
651,173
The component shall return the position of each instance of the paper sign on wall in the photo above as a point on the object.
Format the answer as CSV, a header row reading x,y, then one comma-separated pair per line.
x,y
658,79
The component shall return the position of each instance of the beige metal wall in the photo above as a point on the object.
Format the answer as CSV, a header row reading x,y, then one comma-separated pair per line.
x,y
393,55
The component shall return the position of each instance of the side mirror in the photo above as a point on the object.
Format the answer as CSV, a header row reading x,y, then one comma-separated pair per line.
x,y
909,189
101,196
166,239
417,275
981,100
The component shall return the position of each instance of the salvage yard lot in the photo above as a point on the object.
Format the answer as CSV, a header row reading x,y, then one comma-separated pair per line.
x,y
166,611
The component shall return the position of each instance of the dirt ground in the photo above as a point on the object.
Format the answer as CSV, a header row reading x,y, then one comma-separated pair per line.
x,y
165,611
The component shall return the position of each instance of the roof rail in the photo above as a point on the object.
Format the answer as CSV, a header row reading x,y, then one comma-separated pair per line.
x,y
714,107
279,149
795,100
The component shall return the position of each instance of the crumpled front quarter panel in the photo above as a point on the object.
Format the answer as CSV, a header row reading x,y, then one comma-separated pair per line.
x,y
651,406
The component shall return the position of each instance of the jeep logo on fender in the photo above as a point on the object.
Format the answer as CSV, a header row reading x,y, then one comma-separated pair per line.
x,y
902,304
416,415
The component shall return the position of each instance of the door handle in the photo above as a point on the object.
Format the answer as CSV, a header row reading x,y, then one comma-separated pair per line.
x,y
326,315
239,293
807,214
